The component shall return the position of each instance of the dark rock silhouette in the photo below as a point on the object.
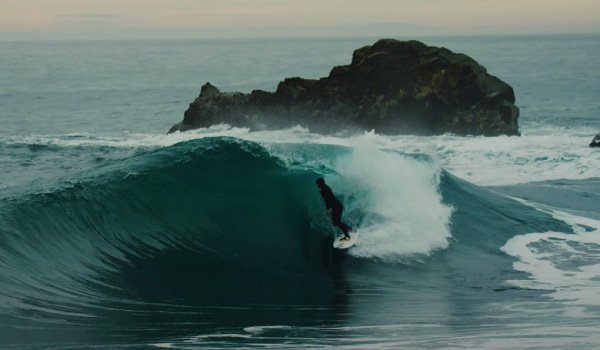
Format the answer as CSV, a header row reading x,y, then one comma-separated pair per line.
x,y
595,141
393,87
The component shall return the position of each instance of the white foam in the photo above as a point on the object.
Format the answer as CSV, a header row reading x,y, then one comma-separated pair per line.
x,y
567,264
405,210
260,329
540,154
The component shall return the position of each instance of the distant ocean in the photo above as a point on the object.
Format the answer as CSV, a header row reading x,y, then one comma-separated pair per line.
x,y
114,235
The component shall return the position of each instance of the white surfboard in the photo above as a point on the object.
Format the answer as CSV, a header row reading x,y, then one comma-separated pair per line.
x,y
346,244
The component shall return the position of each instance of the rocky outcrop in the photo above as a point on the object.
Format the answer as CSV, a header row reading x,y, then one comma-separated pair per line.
x,y
595,141
393,87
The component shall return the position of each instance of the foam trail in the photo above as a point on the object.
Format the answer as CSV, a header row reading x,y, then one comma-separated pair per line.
x,y
405,213
568,264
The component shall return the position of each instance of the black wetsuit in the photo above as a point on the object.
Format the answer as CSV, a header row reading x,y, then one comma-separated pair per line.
x,y
333,203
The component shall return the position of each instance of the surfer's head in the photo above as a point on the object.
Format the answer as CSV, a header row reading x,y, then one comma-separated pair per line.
x,y
320,183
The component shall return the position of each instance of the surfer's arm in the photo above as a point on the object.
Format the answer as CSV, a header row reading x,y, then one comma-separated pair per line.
x,y
328,197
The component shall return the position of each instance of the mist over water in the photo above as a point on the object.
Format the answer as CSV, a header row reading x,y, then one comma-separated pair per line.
x,y
116,235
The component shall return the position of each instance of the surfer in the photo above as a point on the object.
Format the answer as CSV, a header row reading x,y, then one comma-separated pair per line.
x,y
333,203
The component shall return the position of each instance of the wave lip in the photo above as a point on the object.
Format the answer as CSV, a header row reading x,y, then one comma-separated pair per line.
x,y
540,154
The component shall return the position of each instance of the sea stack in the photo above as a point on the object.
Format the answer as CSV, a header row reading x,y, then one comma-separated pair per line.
x,y
393,87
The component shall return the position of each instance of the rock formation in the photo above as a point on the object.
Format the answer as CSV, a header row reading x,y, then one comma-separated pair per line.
x,y
393,87
595,141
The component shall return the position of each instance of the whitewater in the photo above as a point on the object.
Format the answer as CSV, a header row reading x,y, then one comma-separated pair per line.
x,y
539,154
115,235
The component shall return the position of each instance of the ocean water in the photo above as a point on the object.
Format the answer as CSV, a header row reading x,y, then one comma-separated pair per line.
x,y
114,235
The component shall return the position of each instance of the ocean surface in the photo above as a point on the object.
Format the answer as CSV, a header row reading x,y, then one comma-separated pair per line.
x,y
114,235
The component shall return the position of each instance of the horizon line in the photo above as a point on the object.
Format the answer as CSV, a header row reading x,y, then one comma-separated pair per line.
x,y
304,37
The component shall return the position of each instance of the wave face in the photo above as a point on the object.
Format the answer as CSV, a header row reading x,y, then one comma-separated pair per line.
x,y
223,223
206,209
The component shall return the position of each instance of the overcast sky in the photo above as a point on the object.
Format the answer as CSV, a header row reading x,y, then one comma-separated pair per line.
x,y
106,19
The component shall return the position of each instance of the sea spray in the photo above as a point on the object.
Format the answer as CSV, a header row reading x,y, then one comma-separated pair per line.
x,y
404,213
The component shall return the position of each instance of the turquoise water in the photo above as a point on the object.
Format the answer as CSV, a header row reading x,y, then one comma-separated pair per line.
x,y
115,235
